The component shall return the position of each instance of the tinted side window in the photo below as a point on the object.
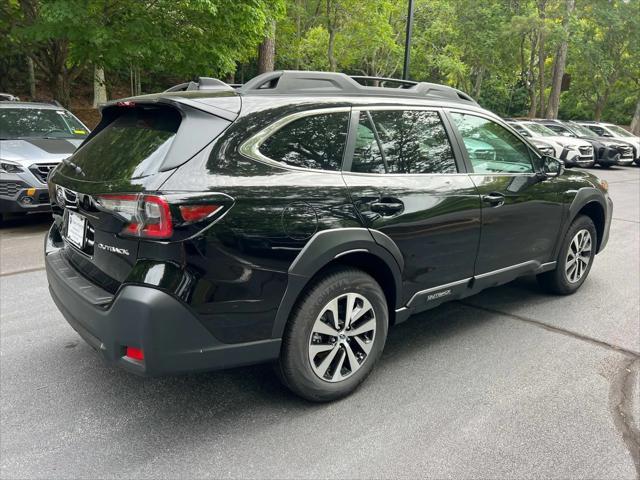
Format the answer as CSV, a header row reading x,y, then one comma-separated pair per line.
x,y
412,141
598,130
367,157
491,147
315,141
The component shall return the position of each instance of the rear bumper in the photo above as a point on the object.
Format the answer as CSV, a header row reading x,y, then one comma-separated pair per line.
x,y
172,338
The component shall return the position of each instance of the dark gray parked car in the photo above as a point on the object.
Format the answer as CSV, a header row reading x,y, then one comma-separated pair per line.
x,y
34,138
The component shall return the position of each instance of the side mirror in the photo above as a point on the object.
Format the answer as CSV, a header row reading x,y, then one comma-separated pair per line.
x,y
552,167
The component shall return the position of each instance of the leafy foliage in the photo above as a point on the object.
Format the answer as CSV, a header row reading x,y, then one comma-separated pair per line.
x,y
500,51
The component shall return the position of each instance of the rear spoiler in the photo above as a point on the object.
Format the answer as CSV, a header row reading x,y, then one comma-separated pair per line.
x,y
204,83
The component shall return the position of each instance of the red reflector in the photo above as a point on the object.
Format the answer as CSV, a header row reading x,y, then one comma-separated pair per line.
x,y
135,353
195,213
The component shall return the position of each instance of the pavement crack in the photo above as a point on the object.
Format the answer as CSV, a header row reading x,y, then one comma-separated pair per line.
x,y
17,272
552,328
621,406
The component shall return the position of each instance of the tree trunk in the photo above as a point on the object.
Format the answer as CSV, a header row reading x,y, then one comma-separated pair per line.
x,y
541,58
542,4
59,84
601,102
331,51
477,86
635,122
559,64
99,86
267,50
298,31
533,109
32,78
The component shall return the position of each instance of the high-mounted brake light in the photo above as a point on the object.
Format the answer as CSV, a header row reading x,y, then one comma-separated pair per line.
x,y
126,103
146,216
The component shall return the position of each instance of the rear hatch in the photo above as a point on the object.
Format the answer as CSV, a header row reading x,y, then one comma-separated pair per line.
x,y
107,198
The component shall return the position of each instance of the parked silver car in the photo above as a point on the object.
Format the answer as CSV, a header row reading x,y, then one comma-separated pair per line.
x,y
34,138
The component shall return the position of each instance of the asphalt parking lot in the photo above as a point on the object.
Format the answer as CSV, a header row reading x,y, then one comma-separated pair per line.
x,y
511,383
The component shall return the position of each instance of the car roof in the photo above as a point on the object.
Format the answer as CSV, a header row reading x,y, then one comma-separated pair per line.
x,y
27,105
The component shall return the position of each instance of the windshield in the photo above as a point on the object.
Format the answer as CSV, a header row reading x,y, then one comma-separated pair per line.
x,y
541,130
620,131
16,123
582,131
520,129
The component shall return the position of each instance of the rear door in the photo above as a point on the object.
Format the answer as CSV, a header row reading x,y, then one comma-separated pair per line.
x,y
405,181
521,210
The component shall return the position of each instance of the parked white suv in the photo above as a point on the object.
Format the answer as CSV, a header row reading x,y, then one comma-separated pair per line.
x,y
574,152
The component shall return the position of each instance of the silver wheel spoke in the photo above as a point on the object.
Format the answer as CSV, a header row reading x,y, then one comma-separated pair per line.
x,y
333,308
326,363
315,349
365,346
353,360
337,374
323,328
366,306
364,328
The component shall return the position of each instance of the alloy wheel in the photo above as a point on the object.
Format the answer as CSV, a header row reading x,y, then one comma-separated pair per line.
x,y
578,256
342,337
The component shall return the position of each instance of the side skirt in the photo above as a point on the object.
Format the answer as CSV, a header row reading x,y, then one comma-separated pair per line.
x,y
432,297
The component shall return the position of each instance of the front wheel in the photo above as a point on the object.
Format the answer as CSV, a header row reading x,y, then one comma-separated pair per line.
x,y
335,335
574,260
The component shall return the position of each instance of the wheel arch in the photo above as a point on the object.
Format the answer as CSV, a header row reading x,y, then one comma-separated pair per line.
x,y
595,212
354,247
590,202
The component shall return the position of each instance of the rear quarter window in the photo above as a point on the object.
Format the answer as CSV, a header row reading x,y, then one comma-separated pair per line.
x,y
315,141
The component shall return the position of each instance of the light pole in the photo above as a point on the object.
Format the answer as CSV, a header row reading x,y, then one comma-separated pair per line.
x,y
407,42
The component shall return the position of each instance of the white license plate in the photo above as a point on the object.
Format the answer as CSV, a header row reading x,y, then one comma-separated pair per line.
x,y
76,228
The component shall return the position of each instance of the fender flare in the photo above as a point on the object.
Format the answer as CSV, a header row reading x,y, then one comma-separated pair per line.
x,y
324,247
582,197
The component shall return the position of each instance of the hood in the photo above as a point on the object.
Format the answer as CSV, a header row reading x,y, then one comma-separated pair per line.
x,y
36,150
566,141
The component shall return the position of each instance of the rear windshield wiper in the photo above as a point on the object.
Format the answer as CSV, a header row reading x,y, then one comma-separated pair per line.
x,y
77,169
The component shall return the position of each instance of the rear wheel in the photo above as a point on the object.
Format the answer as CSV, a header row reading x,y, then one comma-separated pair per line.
x,y
335,336
574,260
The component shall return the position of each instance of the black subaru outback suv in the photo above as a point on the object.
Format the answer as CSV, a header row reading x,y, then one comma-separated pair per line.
x,y
299,217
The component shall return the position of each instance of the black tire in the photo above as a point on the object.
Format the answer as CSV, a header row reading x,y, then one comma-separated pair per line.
x,y
557,281
294,367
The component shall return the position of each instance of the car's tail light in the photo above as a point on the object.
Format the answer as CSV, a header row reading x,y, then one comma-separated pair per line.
x,y
146,216
196,213
150,216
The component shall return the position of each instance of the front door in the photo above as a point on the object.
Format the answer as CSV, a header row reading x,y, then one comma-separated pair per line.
x,y
521,211
405,182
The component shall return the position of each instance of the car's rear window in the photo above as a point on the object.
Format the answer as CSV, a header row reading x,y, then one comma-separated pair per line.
x,y
134,145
